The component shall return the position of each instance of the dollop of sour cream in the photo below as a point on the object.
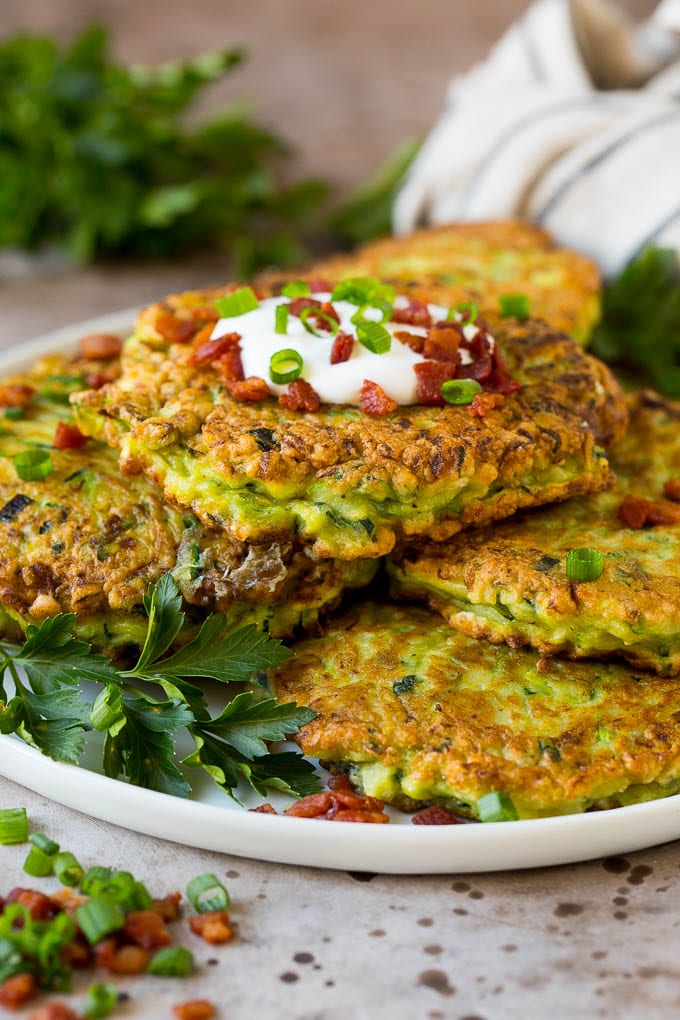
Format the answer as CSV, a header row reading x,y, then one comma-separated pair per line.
x,y
335,384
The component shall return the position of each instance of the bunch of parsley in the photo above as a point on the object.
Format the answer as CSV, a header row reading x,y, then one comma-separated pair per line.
x,y
97,158
51,711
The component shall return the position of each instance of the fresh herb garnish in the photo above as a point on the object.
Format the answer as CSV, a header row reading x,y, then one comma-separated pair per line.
x,y
515,306
285,366
584,564
51,710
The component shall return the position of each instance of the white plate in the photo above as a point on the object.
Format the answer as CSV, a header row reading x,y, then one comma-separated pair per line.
x,y
212,822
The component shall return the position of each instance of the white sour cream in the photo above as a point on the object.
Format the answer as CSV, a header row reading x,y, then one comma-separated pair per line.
x,y
335,384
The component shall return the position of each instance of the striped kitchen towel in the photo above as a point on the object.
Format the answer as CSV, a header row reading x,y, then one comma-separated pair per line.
x,y
573,122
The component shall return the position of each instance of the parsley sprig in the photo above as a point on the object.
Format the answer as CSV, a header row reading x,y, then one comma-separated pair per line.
x,y
140,710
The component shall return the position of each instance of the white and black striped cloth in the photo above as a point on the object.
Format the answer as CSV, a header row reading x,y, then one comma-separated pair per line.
x,y
532,133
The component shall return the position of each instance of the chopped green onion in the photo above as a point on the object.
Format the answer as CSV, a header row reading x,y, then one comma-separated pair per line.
x,y
33,465
44,843
584,564
514,305
284,366
99,917
296,288
496,807
14,413
101,1000
460,391
315,313
384,307
361,290
60,387
172,961
127,892
374,337
13,825
206,892
95,880
241,301
282,314
38,864
67,869
468,309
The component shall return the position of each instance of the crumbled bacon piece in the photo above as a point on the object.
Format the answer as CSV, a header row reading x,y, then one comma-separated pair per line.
x,y
146,928
16,990
214,926
342,348
212,350
443,342
77,952
484,402
298,305
121,959
195,1009
167,907
340,782
95,380
435,815
15,395
635,512
340,805
500,378
430,376
263,809
252,389
230,366
671,490
55,1011
325,308
67,899
174,329
481,366
412,340
99,346
416,313
320,286
300,396
68,437
373,399
39,906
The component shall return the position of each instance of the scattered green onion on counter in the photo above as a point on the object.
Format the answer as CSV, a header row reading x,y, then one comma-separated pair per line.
x,y
206,892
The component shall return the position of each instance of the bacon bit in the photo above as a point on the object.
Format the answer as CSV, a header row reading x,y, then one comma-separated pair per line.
x,y
635,512
146,928
67,899
105,951
55,1011
168,907
68,437
206,313
212,350
195,1009
339,805
123,959
482,361
320,286
328,309
263,809
77,952
252,389
15,396
214,926
99,347
40,907
342,348
415,314
412,340
482,403
373,400
298,305
500,378
430,376
230,366
174,329
671,490
95,380
435,815
340,782
443,342
300,396
17,990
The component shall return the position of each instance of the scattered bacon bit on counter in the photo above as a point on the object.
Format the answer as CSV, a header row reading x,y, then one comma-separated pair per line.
x,y
174,329
300,396
263,809
195,1009
484,402
99,346
211,350
55,1011
430,376
214,926
146,928
17,990
412,340
15,395
435,815
126,959
68,437
374,400
167,907
671,490
252,389
635,512
340,805
342,348
39,906
416,313
77,952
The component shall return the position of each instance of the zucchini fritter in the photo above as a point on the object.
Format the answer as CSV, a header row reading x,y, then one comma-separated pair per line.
x,y
89,540
420,713
509,583
347,484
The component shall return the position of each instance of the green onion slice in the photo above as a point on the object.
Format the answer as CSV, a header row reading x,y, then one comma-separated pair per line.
x,y
14,413
172,961
308,314
374,337
296,288
241,301
101,1000
468,309
99,917
44,843
384,307
361,290
460,391
33,465
282,314
584,564
13,825
206,892
514,305
38,864
67,869
284,366
496,807
95,880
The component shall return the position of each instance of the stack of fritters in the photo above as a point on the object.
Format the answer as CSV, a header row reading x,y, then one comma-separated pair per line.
x,y
271,514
